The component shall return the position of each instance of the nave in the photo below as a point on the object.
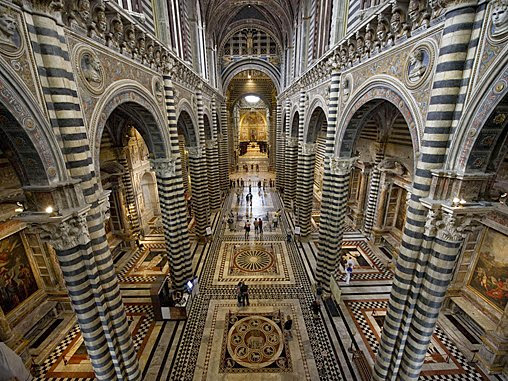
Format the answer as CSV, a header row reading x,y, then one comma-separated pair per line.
x,y
281,280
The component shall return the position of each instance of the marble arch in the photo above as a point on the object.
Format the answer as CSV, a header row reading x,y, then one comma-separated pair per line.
x,y
471,125
364,101
248,64
30,135
185,107
293,127
317,103
141,102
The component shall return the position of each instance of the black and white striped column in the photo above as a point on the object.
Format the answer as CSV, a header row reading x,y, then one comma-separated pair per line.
x,y
305,186
373,190
279,162
212,159
330,226
223,149
290,172
333,216
129,193
198,172
87,266
171,197
400,339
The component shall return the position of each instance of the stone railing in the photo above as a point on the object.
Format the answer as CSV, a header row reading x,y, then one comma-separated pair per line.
x,y
108,24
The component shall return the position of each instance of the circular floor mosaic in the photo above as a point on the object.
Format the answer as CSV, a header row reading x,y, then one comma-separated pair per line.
x,y
254,260
255,342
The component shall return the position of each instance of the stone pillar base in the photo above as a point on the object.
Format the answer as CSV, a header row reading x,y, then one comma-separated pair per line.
x,y
493,355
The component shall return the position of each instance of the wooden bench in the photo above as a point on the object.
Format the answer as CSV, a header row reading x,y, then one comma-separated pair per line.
x,y
362,365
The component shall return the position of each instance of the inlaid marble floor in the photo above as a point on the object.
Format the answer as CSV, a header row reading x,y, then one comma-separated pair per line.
x,y
224,341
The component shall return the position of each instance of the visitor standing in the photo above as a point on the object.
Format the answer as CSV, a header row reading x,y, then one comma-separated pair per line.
x,y
239,293
260,227
256,226
12,366
288,324
349,272
245,293
315,308
247,229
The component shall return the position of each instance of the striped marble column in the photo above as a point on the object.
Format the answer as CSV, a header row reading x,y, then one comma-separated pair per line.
x,y
373,190
88,267
129,193
290,172
171,198
399,339
199,185
212,161
223,148
330,227
198,172
279,158
333,216
305,186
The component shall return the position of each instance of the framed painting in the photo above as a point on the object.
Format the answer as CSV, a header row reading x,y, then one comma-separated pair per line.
x,y
489,278
17,280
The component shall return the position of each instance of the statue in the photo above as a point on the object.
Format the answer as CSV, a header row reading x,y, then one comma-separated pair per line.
x,y
360,45
130,40
391,165
369,40
381,32
398,27
343,56
500,18
100,21
352,51
8,25
416,16
417,67
141,46
91,68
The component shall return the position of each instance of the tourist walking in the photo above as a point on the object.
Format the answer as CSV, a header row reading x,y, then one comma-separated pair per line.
x,y
256,226
349,272
247,229
260,227
319,291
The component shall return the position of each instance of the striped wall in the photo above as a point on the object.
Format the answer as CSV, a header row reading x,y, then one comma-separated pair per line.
x,y
354,14
88,267
130,199
415,298
147,10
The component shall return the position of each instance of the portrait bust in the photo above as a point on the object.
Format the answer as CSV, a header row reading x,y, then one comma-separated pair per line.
x,y
417,67
500,18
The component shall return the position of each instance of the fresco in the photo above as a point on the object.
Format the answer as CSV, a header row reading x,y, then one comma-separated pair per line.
x,y
490,275
17,281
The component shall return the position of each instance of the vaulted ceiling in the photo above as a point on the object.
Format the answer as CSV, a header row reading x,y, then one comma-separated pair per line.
x,y
221,16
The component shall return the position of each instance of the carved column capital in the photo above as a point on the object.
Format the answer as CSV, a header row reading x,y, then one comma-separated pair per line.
x,y
211,143
453,223
63,233
164,167
341,166
195,152
308,148
292,141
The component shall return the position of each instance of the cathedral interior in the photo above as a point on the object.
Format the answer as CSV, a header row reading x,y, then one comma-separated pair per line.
x,y
223,190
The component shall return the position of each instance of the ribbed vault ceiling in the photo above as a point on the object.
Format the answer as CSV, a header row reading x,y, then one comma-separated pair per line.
x,y
221,15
